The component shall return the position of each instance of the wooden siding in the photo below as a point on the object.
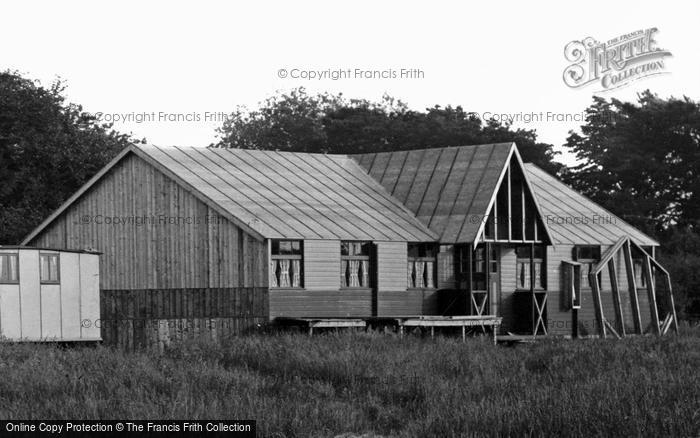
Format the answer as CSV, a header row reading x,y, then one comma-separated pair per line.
x,y
322,264
179,243
317,303
392,266
408,303
560,320
154,318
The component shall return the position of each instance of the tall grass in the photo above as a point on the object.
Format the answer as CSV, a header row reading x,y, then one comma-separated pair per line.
x,y
331,384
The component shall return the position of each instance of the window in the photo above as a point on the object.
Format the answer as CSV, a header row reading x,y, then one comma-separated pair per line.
x,y
479,268
422,262
525,261
49,268
8,268
286,264
588,256
640,278
354,264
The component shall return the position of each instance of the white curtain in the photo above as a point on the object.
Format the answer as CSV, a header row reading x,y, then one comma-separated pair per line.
x,y
2,267
296,270
354,277
420,266
365,273
538,275
273,274
410,275
429,270
523,275
284,273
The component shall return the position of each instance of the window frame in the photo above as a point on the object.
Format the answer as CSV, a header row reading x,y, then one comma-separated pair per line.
x,y
275,257
587,265
50,255
7,256
355,257
531,261
421,247
483,262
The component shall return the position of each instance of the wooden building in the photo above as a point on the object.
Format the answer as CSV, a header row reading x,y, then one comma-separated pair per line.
x,y
49,295
222,240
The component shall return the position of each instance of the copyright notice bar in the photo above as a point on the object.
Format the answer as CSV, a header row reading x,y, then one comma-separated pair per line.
x,y
235,428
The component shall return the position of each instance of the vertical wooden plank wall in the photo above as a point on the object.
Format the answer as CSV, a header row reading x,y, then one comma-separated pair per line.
x,y
156,236
165,238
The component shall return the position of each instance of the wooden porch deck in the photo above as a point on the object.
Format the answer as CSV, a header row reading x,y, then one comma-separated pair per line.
x,y
401,323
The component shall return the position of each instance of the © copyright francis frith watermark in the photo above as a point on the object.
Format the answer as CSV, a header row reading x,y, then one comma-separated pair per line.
x,y
616,62
594,219
339,74
149,220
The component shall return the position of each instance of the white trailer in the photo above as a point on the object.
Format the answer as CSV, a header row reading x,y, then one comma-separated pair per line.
x,y
49,294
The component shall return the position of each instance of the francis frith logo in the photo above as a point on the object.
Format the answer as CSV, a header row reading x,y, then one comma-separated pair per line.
x,y
616,62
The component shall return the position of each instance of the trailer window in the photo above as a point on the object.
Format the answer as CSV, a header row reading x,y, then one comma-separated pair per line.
x,y
355,267
9,268
422,264
49,268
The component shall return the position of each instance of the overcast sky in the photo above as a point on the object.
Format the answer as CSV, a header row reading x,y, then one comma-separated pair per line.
x,y
206,57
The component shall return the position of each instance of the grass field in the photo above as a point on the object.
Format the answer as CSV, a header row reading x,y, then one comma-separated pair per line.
x,y
332,384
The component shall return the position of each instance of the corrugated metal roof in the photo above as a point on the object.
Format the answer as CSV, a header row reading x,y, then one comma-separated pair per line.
x,y
293,195
446,188
573,218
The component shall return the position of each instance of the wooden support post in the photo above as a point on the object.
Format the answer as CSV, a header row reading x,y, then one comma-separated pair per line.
x,y
510,207
470,256
522,204
671,303
597,304
535,305
311,330
632,286
617,302
651,292
495,217
432,332
464,333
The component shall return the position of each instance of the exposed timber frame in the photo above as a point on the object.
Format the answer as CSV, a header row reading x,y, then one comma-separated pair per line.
x,y
659,327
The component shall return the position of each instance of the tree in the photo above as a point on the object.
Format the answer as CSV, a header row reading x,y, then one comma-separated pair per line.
x,y
333,124
641,159
48,149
